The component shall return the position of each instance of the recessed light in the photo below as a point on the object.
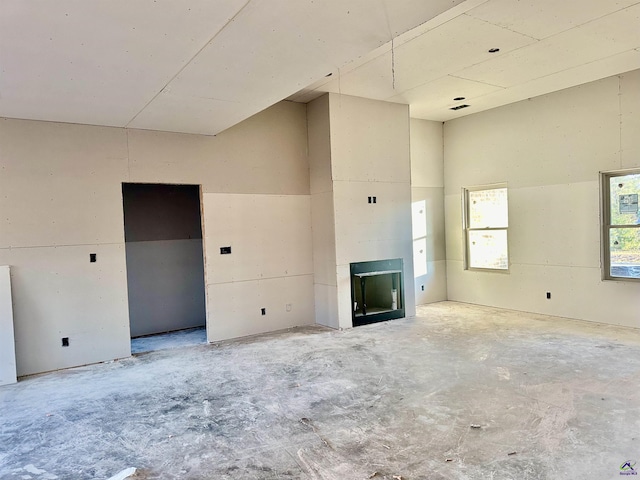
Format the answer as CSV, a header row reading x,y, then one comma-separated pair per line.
x,y
457,99
494,50
458,107
328,74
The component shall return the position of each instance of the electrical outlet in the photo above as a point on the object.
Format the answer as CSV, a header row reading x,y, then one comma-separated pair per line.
x,y
263,311
548,295
422,287
93,257
65,341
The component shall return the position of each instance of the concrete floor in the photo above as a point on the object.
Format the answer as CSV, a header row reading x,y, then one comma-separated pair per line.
x,y
553,399
164,341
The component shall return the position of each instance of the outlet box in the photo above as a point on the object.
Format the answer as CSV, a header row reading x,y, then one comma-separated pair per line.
x,y
65,341
93,257
422,287
263,311
548,295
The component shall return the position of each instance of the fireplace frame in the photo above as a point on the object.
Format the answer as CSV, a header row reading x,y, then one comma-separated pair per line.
x,y
360,273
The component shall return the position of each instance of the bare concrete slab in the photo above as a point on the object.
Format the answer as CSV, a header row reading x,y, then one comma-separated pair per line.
x,y
460,392
163,341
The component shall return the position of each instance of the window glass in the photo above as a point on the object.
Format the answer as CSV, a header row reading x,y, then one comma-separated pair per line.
x,y
624,191
620,225
488,249
486,219
625,252
488,208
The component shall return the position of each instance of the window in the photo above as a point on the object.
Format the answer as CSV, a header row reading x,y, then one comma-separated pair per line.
x,y
486,219
620,225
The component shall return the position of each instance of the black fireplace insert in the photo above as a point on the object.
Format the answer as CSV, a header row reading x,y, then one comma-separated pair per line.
x,y
377,292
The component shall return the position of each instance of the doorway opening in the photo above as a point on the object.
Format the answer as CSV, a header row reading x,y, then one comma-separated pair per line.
x,y
165,265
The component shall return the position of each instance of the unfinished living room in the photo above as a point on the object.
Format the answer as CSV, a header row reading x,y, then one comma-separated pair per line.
x,y
319,240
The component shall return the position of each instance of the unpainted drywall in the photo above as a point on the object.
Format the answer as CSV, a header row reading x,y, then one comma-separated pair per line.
x,y
62,201
550,151
270,265
322,213
7,341
361,150
427,207
265,154
370,156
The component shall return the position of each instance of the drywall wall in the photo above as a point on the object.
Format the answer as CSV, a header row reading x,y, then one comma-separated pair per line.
x,y
549,150
366,153
165,268
7,342
270,265
322,213
61,200
370,156
427,207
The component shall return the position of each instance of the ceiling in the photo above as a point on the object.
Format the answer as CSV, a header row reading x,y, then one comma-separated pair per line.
x,y
544,46
201,66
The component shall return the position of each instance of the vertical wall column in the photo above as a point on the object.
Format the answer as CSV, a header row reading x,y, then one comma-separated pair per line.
x,y
322,213
358,148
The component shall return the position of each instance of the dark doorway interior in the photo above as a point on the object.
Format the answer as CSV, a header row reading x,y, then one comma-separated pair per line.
x,y
165,267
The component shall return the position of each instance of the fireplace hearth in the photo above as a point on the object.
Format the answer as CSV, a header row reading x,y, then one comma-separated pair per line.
x,y
377,291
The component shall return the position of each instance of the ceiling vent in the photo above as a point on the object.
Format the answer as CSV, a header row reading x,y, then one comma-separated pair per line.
x,y
458,107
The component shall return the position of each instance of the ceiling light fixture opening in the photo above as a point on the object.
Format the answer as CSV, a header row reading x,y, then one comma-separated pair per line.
x,y
494,50
458,107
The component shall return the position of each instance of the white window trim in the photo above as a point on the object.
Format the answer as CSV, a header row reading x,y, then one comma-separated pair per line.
x,y
605,224
466,229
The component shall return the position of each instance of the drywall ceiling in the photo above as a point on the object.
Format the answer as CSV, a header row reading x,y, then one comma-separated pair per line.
x,y
202,66
544,46
195,66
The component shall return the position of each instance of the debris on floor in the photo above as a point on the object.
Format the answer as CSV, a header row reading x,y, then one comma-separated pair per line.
x,y
475,425
126,473
307,422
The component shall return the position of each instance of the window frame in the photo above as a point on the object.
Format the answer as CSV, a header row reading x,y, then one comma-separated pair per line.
x,y
605,223
466,228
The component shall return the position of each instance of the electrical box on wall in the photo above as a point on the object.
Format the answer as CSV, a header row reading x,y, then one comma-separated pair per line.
x,y
225,250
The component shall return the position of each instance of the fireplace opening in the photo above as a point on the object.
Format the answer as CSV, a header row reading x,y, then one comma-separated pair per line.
x,y
377,291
